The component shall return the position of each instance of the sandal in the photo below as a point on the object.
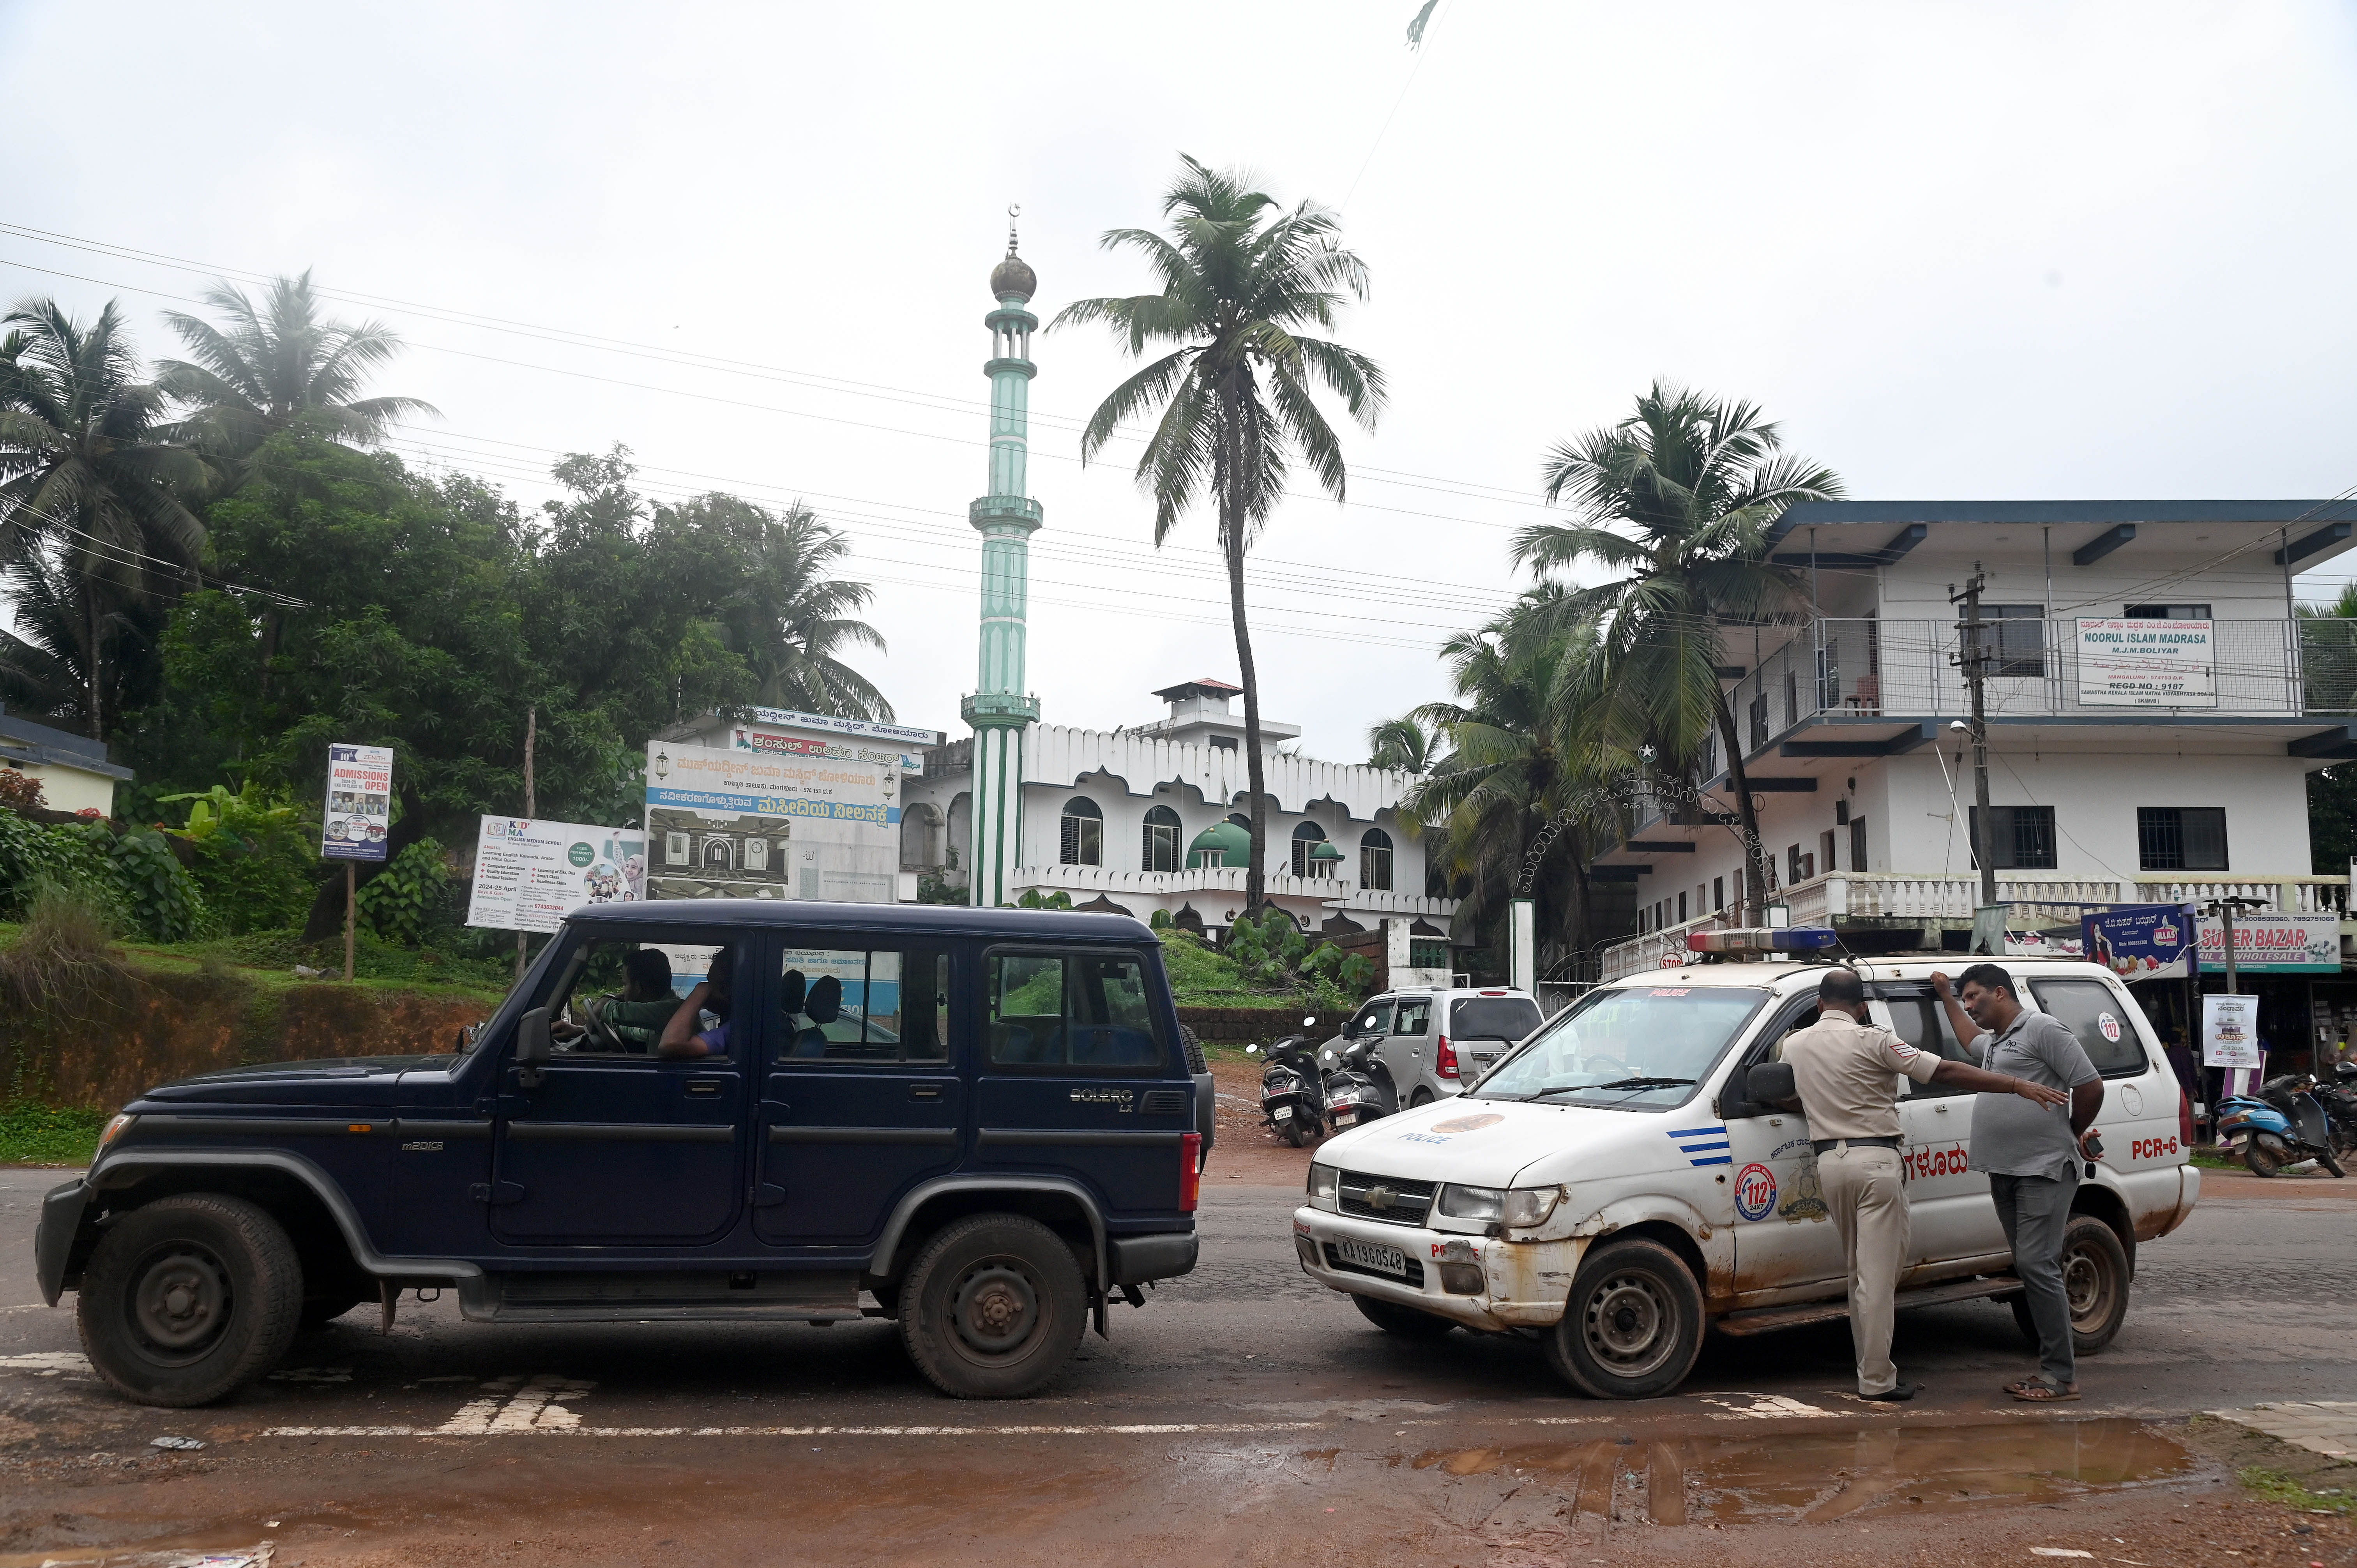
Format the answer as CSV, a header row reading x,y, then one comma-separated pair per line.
x,y
2037,1391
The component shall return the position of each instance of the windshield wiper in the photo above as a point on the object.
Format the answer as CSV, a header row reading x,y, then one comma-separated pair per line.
x,y
1617,1083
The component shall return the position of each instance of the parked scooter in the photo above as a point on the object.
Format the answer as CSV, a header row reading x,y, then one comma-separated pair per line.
x,y
2340,1099
1293,1088
1354,1092
2284,1123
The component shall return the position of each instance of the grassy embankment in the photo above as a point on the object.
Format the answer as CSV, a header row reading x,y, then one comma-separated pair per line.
x,y
252,997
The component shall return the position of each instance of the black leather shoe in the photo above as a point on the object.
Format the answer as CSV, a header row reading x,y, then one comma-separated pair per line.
x,y
1899,1394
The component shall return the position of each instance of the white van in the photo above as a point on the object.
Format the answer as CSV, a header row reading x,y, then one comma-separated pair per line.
x,y
1607,1188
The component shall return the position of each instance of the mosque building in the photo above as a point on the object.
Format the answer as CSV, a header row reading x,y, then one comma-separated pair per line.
x,y
1146,816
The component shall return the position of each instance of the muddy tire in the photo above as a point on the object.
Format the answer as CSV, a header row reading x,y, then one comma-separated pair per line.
x,y
1633,1325
1407,1322
1421,1097
2262,1160
1293,1131
188,1298
2095,1278
993,1307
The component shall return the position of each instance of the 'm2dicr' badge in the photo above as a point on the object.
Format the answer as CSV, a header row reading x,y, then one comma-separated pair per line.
x,y
1755,1192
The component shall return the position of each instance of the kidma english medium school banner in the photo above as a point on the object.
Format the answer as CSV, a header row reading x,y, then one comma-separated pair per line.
x,y
529,875
732,824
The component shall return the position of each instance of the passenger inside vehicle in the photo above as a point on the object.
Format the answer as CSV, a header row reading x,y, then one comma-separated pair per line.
x,y
681,1040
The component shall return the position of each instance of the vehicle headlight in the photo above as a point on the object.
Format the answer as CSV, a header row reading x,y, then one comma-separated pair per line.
x,y
116,1128
1324,1181
1516,1208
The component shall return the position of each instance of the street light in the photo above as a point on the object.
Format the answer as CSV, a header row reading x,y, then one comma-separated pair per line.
x,y
662,764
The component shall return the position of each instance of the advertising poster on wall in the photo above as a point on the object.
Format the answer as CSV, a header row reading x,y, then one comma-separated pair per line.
x,y
734,824
2230,1031
2268,943
2145,941
530,874
359,814
2129,663
783,732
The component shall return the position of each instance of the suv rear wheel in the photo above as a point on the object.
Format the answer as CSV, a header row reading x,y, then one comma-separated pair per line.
x,y
993,1307
1633,1325
188,1298
2096,1279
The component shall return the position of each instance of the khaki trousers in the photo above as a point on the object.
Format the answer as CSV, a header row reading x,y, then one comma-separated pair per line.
x,y
1867,1192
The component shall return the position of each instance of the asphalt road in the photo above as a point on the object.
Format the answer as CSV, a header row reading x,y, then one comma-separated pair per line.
x,y
1246,1379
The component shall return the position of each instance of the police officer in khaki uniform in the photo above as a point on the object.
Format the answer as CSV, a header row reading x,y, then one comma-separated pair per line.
x,y
1846,1074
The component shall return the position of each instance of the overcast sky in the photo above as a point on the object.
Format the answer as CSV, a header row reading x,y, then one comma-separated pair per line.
x,y
1968,250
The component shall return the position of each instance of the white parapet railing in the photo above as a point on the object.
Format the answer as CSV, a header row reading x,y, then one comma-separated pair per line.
x,y
1834,897
1224,882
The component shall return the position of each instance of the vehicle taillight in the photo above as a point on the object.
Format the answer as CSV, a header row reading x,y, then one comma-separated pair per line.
x,y
1190,1170
1445,1065
2184,1119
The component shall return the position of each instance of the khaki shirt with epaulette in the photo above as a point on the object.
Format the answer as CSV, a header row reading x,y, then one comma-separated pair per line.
x,y
1848,1074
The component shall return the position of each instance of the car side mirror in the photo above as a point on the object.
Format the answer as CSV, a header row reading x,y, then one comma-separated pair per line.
x,y
534,1045
1767,1083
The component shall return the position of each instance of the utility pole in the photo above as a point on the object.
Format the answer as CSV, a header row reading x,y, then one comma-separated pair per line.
x,y
1972,657
530,805
2225,909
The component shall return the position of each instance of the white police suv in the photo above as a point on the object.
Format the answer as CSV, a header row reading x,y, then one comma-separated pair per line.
x,y
1609,1188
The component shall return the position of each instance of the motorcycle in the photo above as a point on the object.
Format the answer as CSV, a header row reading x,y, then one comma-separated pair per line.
x,y
1355,1093
1293,1088
2339,1099
2284,1122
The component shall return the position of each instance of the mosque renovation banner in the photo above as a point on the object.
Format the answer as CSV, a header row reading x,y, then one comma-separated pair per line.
x,y
530,874
733,824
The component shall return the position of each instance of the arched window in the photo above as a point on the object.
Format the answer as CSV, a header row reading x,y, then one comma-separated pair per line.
x,y
719,854
1306,836
1375,859
920,837
1160,850
1083,836
1241,820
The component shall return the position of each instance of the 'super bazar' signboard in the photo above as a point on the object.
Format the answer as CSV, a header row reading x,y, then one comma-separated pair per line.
x,y
2268,943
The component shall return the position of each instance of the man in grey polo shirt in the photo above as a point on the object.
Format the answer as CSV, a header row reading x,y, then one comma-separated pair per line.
x,y
2031,1152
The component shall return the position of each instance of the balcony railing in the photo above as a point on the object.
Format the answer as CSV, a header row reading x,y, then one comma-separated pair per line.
x,y
1086,881
1875,668
1835,897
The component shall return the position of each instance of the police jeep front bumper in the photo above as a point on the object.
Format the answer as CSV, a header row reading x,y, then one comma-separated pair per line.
x,y
1482,1282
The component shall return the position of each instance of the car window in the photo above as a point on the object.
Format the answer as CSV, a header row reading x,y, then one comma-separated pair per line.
x,y
1645,1047
1492,1018
863,1003
1918,1018
1375,1019
1412,1017
1072,1013
616,994
2094,1012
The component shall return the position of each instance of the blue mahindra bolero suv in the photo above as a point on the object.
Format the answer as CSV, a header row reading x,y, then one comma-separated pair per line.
x,y
983,1123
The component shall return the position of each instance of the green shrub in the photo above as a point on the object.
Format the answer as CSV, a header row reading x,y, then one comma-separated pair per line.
x,y
33,1134
158,893
256,864
400,902
63,968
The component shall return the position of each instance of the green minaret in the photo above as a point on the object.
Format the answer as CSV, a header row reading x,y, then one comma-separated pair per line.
x,y
1000,710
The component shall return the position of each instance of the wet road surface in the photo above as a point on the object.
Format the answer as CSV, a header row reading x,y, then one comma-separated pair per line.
x,y
1227,1417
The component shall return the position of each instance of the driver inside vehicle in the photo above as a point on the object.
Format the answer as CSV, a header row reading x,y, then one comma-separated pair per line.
x,y
630,1022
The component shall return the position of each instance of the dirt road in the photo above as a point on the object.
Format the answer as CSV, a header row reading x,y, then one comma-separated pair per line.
x,y
1221,1423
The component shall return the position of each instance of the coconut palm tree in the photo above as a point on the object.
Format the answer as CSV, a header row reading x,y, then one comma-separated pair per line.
x,y
47,662
278,362
1403,744
1513,767
88,472
1241,277
1676,501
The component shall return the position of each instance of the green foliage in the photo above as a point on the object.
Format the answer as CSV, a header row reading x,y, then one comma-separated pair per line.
x,y
403,899
2293,1491
1033,899
32,1135
1160,920
158,895
255,864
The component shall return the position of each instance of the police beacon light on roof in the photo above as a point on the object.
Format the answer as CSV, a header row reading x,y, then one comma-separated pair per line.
x,y
1784,939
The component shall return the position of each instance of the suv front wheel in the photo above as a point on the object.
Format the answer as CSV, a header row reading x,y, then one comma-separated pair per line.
x,y
993,1307
1633,1325
188,1298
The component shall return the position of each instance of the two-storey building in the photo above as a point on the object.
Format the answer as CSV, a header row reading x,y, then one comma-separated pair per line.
x,y
2155,704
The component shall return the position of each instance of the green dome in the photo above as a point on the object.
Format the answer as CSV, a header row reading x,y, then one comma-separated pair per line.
x,y
1230,844
1325,851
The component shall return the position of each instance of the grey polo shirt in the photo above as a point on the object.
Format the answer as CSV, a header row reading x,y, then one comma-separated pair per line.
x,y
2011,1136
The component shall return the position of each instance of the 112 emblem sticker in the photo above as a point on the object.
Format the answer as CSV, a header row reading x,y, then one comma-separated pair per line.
x,y
1755,1192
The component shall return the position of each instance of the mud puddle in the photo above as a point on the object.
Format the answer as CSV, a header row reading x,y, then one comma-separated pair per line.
x,y
1859,1474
